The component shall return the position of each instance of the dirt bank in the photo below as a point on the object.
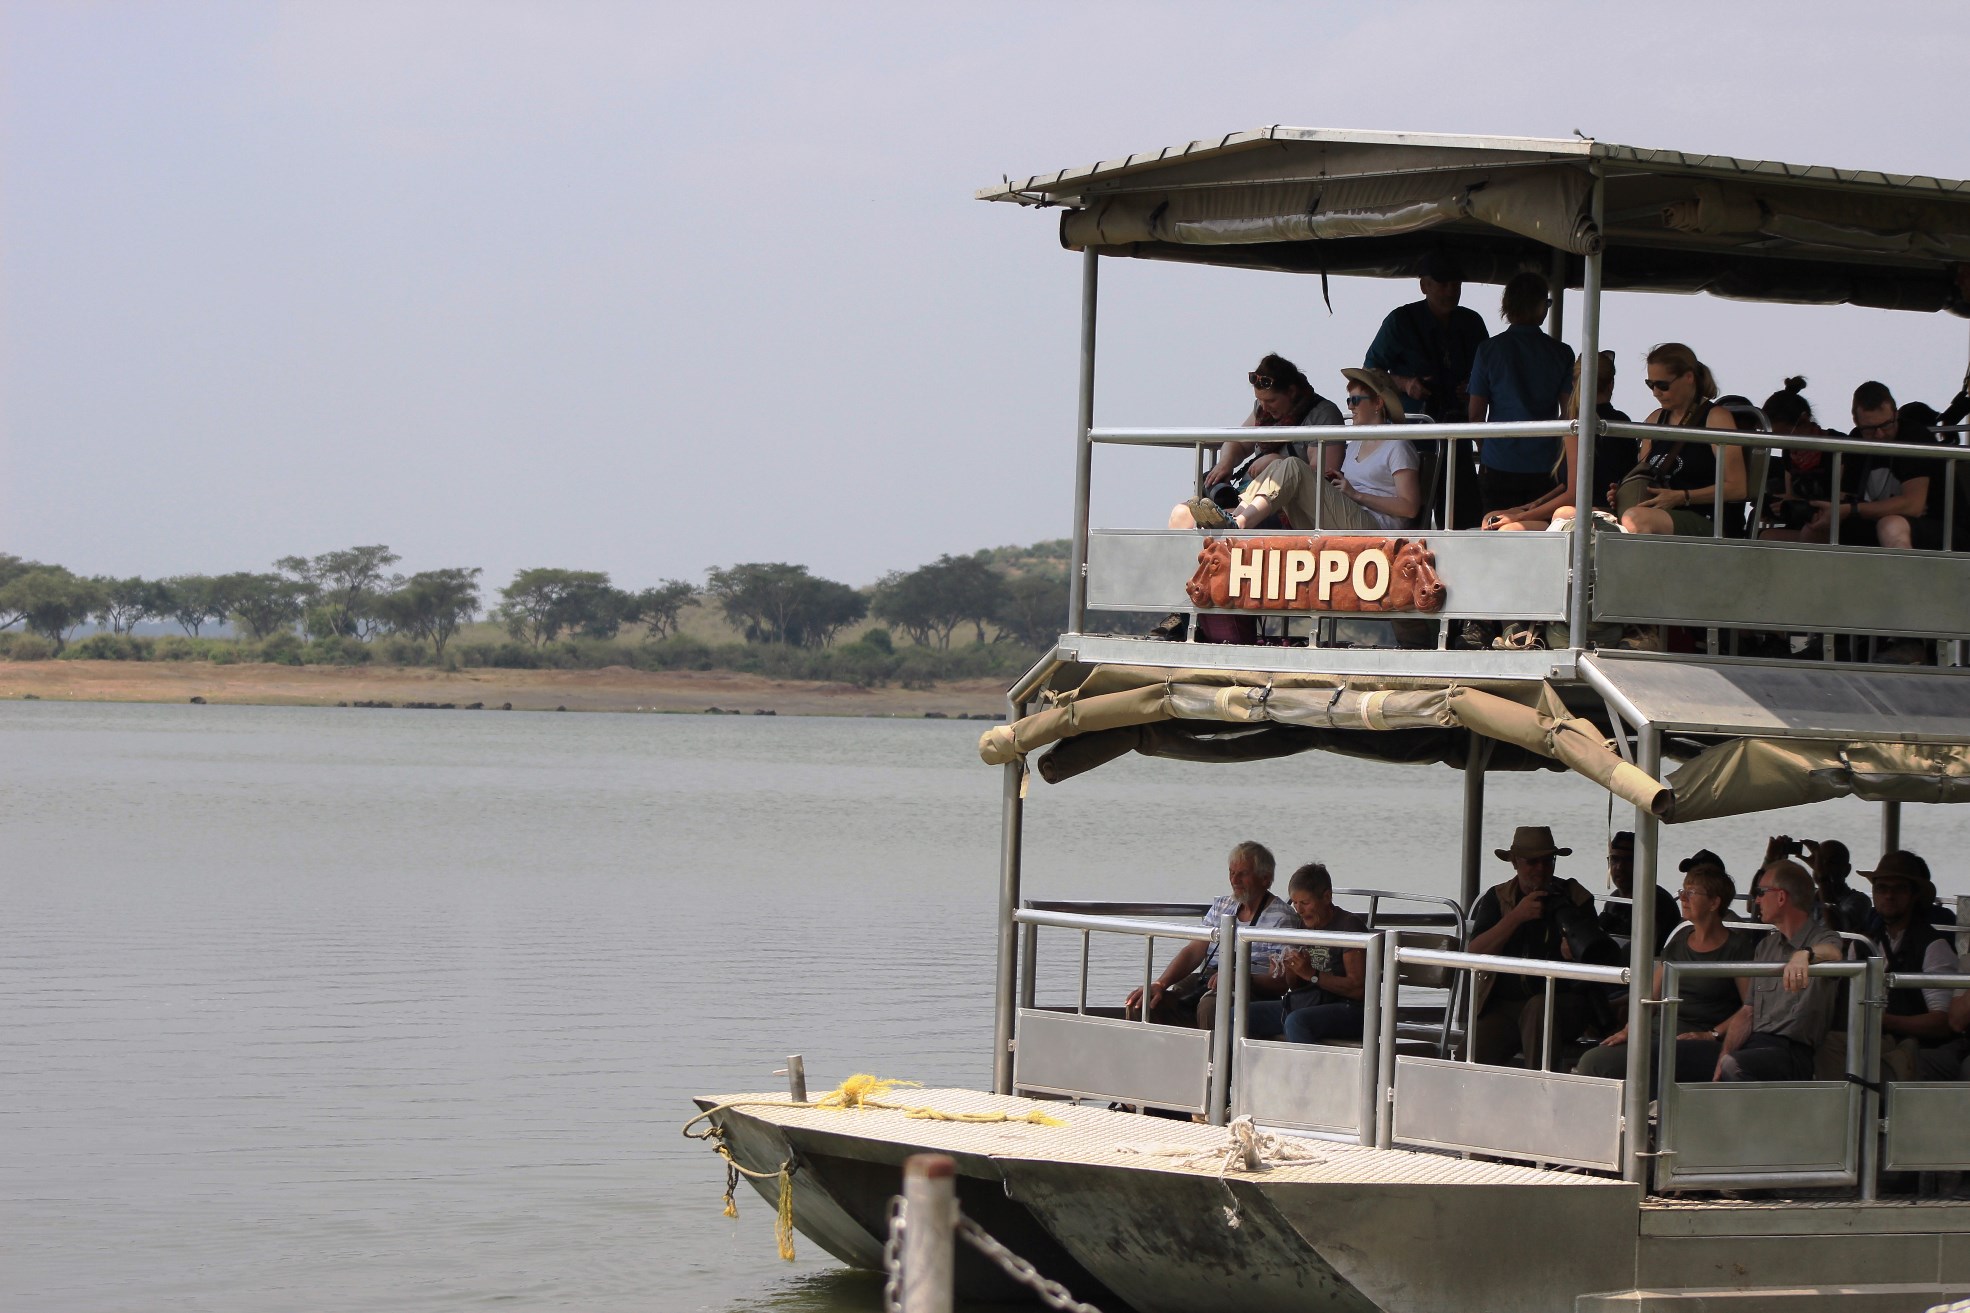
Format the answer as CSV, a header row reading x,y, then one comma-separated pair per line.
x,y
617,688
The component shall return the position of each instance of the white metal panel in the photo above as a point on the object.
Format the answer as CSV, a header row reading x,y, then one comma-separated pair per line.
x,y
1758,1128
1928,1127
1101,1057
1544,1116
1312,1087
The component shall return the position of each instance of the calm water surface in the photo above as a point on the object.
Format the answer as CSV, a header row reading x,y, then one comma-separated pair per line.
x,y
322,1009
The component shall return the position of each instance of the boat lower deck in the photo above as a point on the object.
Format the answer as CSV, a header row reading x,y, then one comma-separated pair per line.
x,y
1159,1214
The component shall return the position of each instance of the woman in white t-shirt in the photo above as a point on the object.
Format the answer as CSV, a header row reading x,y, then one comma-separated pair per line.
x,y
1379,474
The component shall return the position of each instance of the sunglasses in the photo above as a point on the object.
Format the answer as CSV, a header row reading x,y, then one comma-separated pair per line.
x,y
1259,380
1358,399
1660,386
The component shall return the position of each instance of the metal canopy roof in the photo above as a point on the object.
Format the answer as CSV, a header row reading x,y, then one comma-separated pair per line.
x,y
1767,701
1374,203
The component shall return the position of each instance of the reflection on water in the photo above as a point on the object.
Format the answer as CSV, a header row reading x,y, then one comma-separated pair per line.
x,y
332,1009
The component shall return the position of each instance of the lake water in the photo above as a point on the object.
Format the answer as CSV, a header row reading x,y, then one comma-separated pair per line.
x,y
322,1009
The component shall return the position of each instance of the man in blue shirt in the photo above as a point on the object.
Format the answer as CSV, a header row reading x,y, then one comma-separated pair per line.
x,y
1426,347
1521,374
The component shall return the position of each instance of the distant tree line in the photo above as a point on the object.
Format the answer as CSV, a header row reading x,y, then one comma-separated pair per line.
x,y
343,600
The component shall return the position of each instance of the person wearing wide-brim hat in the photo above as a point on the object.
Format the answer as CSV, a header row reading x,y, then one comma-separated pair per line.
x,y
1521,918
1377,487
1917,1037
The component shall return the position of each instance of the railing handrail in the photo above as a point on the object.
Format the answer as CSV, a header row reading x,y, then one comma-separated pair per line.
x,y
1316,938
1797,442
1513,966
1198,934
1192,436
1100,907
1754,971
1927,980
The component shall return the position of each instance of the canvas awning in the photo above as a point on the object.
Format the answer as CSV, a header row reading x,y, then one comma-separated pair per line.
x,y
1374,203
1749,775
1317,709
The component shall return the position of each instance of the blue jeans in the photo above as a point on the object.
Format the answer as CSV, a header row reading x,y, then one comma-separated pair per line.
x,y
1267,1018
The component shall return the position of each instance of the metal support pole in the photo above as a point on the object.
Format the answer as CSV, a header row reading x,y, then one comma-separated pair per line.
x,y
1371,1046
1556,282
1229,954
1874,988
930,1233
1077,577
1641,970
1833,513
1029,966
1385,1059
1588,427
796,1078
1475,760
1891,826
1012,809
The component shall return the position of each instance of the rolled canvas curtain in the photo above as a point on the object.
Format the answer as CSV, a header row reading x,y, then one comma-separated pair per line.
x,y
1749,775
1118,698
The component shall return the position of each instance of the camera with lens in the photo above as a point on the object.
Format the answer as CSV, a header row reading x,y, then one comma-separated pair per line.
x,y
1793,848
1579,927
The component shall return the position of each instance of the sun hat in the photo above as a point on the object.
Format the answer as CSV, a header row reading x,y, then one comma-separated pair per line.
x,y
1382,386
1532,841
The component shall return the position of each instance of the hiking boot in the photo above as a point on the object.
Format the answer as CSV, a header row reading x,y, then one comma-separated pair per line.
x,y
1172,628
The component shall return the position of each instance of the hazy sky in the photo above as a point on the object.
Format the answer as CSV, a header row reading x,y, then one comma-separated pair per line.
x,y
653,288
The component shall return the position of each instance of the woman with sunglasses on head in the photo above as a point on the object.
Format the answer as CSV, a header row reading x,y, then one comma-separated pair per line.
x,y
1376,486
1673,487
1281,397
1706,1003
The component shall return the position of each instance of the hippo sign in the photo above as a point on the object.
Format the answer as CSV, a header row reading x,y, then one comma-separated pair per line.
x,y
1340,573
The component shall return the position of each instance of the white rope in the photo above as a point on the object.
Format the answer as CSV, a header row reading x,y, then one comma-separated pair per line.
x,y
1246,1143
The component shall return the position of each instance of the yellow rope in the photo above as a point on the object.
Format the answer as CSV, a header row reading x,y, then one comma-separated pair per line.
x,y
858,1091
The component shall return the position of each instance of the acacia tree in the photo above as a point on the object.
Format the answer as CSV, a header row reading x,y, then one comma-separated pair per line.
x,y
930,602
341,588
780,603
431,605
659,607
51,601
1032,609
263,604
127,603
11,568
193,600
540,603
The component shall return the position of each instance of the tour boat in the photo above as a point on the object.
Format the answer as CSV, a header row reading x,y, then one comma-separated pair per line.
x,y
1404,1176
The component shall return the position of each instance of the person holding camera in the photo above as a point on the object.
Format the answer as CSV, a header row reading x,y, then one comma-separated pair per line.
x,y
1534,914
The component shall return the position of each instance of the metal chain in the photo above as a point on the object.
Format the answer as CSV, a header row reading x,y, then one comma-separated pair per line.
x,y
1051,1293
892,1261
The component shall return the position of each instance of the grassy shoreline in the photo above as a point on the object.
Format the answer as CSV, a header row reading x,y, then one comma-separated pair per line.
x,y
612,688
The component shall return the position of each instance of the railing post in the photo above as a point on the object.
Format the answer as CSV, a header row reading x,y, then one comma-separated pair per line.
x,y
1029,965
1371,1044
930,1227
1477,757
1011,822
1587,425
1641,974
1891,826
1867,999
1231,966
1385,1058
1077,578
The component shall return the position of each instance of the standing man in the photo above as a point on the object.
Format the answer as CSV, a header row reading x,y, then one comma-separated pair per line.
x,y
1184,993
1426,348
1775,1035
1523,918
1918,1041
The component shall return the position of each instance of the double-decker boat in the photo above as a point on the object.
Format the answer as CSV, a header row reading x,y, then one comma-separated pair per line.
x,y
1428,1181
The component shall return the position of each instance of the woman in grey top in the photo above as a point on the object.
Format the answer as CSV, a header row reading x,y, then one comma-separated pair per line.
x,y
1706,1003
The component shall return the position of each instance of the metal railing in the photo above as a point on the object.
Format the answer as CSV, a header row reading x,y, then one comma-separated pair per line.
x,y
1293,1085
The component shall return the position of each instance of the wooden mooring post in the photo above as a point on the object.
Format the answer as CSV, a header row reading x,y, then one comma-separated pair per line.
x,y
930,1230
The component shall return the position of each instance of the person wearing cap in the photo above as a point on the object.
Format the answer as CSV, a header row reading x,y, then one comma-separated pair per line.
x,y
1918,1040
1777,1031
1375,489
1619,918
1521,374
1519,919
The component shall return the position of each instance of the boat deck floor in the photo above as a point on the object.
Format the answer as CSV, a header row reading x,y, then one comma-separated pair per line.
x,y
1096,1136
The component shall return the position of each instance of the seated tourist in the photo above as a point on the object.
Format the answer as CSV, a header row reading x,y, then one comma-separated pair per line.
x,y
1900,502
1532,915
1619,918
1375,489
1521,374
1842,907
1673,486
1918,1041
1707,1002
1802,478
1613,458
1775,1035
1281,397
1321,988
1183,994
